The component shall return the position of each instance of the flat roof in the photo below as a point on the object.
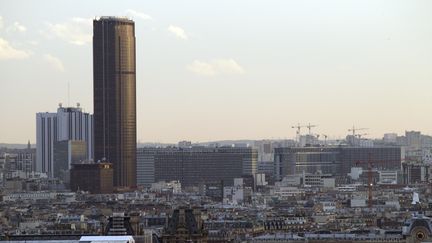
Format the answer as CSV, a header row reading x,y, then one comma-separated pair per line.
x,y
115,18
126,238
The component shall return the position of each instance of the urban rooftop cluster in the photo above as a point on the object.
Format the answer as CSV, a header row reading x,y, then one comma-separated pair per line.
x,y
88,180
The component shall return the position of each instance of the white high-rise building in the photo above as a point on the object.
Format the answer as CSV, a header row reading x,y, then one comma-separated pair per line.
x,y
69,123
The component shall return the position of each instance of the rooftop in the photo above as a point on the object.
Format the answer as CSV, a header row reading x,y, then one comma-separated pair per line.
x,y
114,18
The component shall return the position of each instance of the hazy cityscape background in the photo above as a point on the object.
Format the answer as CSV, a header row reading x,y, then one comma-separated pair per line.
x,y
211,122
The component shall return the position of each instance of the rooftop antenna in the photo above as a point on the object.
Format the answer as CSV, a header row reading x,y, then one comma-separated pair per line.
x,y
68,94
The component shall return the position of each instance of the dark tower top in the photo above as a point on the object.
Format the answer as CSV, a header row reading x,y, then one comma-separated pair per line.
x,y
114,96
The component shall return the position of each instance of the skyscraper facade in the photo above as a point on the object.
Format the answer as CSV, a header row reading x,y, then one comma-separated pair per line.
x,y
114,96
68,123
67,153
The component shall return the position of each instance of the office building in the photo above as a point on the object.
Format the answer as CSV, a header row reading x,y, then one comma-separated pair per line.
x,y
68,123
66,153
25,161
195,165
389,177
18,160
414,173
297,160
336,161
413,139
92,177
267,168
308,180
146,166
381,158
114,96
390,138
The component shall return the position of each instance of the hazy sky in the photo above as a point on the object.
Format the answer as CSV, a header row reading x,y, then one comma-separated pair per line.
x,y
209,70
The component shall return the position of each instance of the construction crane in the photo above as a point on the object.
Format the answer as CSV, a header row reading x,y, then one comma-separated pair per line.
x,y
370,178
360,135
298,128
309,126
325,138
370,184
354,129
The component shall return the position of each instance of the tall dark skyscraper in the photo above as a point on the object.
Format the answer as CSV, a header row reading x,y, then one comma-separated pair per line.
x,y
114,96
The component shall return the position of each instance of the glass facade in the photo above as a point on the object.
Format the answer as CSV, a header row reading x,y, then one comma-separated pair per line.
x,y
94,178
115,96
67,153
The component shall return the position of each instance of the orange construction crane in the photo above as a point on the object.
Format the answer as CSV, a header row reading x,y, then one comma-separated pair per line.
x,y
370,165
370,184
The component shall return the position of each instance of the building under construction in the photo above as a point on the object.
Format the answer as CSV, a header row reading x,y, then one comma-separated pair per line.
x,y
336,160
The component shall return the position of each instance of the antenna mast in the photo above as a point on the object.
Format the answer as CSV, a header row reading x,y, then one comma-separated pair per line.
x,y
68,94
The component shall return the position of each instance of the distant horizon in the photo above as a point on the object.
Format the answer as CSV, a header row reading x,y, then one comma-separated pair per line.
x,y
329,138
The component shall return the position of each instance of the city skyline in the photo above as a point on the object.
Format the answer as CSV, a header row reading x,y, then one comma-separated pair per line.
x,y
237,73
